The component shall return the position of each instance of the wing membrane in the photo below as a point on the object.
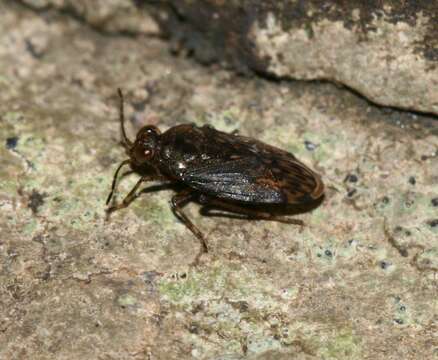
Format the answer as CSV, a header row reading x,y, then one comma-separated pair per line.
x,y
255,180
243,169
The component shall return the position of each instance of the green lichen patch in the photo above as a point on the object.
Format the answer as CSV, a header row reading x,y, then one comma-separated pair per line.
x,y
343,345
227,121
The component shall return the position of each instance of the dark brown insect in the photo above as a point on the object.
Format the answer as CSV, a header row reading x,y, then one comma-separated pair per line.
x,y
227,171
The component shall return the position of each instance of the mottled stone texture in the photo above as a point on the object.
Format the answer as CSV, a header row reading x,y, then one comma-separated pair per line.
x,y
385,50
358,282
110,16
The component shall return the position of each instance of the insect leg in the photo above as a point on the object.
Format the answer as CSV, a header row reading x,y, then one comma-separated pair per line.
x,y
251,213
177,202
116,175
132,195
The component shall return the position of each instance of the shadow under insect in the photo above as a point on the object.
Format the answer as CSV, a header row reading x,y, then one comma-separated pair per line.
x,y
279,213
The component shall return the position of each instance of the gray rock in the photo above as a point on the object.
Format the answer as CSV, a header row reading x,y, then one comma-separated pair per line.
x,y
110,16
386,52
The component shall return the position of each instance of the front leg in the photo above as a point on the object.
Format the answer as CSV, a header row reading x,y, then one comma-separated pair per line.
x,y
132,195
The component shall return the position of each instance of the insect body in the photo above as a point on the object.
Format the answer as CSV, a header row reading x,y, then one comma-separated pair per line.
x,y
227,171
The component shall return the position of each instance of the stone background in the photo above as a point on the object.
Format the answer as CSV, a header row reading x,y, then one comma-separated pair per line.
x,y
359,282
385,50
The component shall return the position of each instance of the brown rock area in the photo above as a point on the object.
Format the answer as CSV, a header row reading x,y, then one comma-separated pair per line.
x,y
359,281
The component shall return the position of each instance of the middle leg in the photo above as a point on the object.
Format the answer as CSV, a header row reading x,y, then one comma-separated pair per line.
x,y
177,202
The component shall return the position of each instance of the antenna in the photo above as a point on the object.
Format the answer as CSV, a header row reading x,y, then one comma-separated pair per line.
x,y
125,141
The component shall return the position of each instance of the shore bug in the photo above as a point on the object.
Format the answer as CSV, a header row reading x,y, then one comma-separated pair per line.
x,y
230,172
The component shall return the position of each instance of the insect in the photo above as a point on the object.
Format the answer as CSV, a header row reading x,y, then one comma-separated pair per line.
x,y
234,173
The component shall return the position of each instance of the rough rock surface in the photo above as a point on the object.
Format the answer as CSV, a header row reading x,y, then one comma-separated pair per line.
x,y
110,16
386,50
359,282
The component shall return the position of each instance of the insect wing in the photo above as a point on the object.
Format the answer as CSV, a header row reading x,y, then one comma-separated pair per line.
x,y
234,180
276,177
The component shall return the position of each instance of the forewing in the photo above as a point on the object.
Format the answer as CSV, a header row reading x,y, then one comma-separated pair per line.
x,y
271,178
235,180
239,168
